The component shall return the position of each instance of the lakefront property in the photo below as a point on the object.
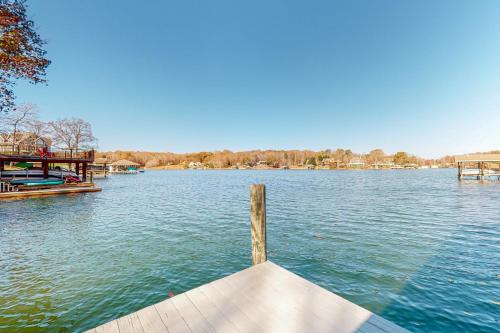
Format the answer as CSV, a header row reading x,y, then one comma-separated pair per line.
x,y
249,166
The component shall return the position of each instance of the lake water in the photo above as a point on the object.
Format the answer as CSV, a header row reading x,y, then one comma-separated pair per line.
x,y
416,247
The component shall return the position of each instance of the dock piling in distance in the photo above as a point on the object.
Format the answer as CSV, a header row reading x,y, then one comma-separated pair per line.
x,y
258,223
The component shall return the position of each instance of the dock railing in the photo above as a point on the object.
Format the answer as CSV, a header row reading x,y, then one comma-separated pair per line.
x,y
83,154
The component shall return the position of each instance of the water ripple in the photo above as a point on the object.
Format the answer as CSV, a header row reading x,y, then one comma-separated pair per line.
x,y
416,247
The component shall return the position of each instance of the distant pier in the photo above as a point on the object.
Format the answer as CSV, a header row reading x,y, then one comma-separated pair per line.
x,y
478,166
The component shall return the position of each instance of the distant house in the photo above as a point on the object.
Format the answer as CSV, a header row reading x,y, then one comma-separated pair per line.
x,y
261,165
411,166
196,165
331,162
383,165
356,164
23,142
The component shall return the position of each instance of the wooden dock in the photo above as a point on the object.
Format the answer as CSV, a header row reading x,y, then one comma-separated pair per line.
x,y
262,298
50,191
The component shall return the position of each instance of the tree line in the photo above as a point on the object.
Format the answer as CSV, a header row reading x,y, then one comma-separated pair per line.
x,y
272,158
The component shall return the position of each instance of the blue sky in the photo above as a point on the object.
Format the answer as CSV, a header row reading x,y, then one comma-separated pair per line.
x,y
183,76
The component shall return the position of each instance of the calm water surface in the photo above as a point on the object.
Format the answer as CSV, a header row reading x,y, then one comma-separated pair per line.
x,y
416,247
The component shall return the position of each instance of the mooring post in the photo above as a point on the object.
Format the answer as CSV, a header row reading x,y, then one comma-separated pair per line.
x,y
45,167
84,172
258,223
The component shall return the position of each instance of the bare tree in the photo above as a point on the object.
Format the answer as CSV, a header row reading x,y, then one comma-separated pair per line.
x,y
72,134
39,129
376,156
17,120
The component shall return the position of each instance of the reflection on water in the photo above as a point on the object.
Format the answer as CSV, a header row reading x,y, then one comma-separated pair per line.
x,y
417,247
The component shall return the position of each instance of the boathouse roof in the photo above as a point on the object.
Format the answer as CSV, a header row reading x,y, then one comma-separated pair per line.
x,y
124,163
101,160
478,158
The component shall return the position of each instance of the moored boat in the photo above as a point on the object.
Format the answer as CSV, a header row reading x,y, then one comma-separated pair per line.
x,y
37,173
37,182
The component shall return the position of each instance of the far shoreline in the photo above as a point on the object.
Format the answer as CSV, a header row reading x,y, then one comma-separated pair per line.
x,y
297,168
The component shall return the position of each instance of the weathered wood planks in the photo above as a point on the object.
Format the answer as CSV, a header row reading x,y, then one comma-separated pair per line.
x,y
262,298
47,192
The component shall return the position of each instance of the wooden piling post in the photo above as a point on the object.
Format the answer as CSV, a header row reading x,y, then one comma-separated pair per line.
x,y
258,223
45,167
84,172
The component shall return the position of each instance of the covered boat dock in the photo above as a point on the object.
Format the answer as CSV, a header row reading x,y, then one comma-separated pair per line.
x,y
79,159
479,166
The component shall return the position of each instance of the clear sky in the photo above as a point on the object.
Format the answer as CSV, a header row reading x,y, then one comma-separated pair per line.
x,y
183,76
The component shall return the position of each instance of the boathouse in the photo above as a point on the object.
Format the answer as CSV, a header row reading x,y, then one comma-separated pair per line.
x,y
80,159
99,168
124,166
478,166
43,175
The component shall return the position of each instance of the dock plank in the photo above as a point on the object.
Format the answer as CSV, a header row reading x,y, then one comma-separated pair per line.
x,y
191,315
151,321
256,314
231,310
214,316
110,327
171,317
130,324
